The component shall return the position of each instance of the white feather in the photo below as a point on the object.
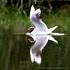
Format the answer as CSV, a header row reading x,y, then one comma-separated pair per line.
x,y
41,34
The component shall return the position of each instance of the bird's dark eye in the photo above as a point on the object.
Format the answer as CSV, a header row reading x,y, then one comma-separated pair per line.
x,y
38,15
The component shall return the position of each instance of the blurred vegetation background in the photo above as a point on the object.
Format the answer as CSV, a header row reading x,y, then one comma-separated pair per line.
x,y
14,48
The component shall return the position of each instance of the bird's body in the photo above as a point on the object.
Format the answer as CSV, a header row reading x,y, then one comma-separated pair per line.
x,y
39,27
41,34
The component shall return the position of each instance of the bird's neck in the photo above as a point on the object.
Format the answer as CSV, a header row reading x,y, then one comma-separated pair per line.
x,y
37,23
40,24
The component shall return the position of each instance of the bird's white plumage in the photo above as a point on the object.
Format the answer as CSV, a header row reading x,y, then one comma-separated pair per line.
x,y
36,49
32,11
41,34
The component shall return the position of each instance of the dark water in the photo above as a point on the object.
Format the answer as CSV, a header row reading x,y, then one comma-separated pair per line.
x,y
15,54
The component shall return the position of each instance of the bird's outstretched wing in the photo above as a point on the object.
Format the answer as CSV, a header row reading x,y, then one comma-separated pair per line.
x,y
32,11
36,49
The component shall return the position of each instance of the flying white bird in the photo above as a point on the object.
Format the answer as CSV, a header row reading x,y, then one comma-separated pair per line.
x,y
41,34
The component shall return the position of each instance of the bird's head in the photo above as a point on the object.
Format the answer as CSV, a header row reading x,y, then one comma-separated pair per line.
x,y
35,14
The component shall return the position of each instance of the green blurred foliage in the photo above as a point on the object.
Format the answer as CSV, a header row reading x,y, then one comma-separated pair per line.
x,y
14,48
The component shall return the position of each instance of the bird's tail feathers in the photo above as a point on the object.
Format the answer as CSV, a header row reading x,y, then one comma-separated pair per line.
x,y
52,39
57,34
52,29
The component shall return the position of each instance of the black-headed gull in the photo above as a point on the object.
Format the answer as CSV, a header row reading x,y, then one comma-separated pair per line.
x,y
41,34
